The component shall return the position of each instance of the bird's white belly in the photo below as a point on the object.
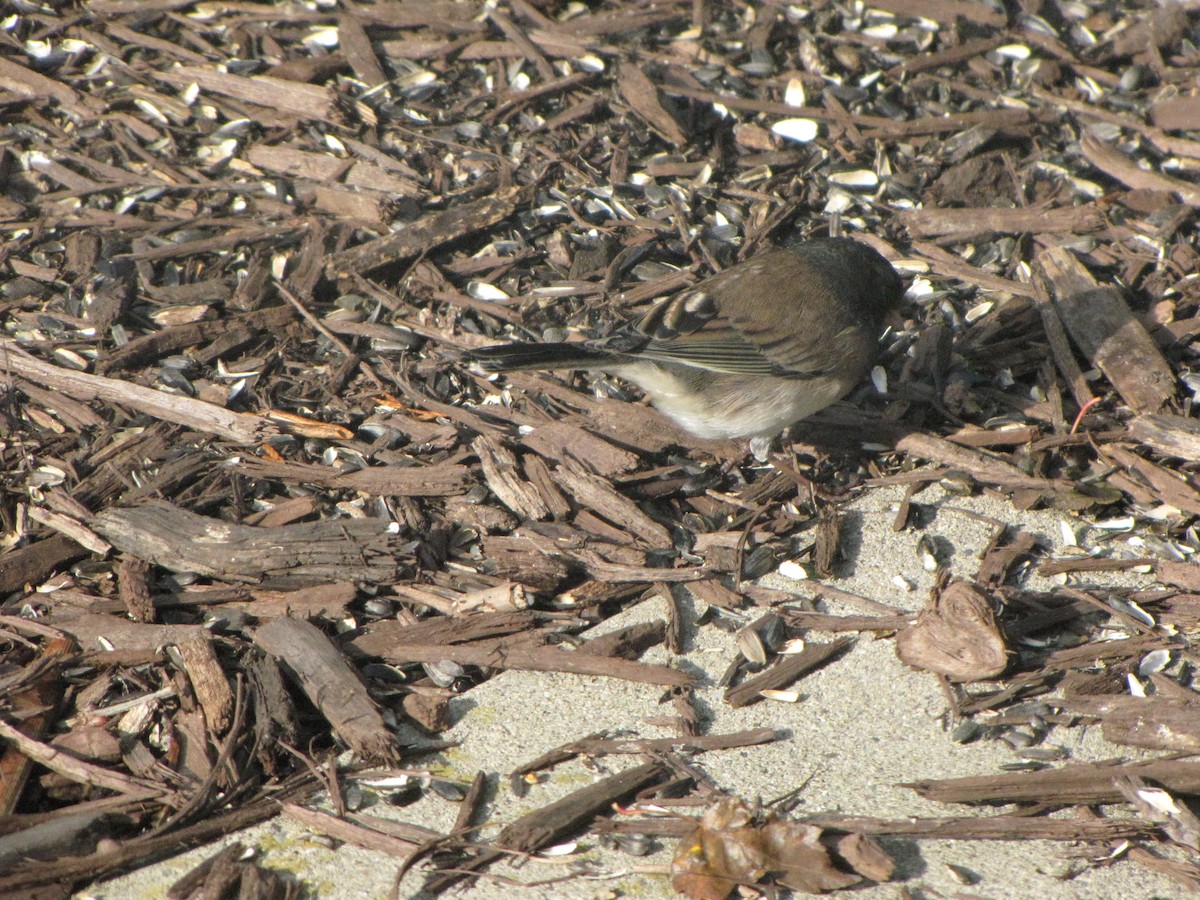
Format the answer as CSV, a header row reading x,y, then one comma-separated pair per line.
x,y
735,406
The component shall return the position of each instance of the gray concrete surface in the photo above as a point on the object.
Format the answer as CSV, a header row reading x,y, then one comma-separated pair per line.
x,y
865,724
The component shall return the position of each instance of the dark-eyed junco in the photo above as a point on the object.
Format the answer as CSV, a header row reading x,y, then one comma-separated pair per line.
x,y
750,350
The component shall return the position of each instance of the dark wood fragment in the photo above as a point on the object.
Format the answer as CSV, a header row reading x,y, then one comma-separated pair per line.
x,y
1184,574
684,744
823,622
314,552
976,463
208,681
499,467
273,711
715,593
560,441
560,819
1180,113
1082,783
430,711
827,549
241,428
520,560
428,233
1155,723
35,703
353,832
438,480
989,828
972,224
143,849
784,672
356,44
290,98
134,590
1113,162
642,96
77,770
31,564
1166,486
1002,555
596,494
502,655
165,341
70,412
454,628
229,873
1169,435
331,684
1107,332
1058,566
99,631
629,642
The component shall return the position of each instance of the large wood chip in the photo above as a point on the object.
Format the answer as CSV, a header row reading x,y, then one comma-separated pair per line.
x,y
955,635
559,819
240,428
966,224
304,101
1170,435
428,233
598,495
1106,332
331,684
981,466
558,441
499,466
1113,162
1166,486
1084,783
1169,724
785,671
95,631
208,681
328,550
1180,113
439,480
512,655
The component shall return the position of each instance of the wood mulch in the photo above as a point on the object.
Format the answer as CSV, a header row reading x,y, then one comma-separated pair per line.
x,y
254,509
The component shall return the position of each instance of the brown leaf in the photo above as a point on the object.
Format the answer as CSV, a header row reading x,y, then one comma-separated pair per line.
x,y
735,845
955,636
802,861
723,851
866,857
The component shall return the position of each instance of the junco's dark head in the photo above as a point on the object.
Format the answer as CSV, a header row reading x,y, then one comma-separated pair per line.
x,y
750,350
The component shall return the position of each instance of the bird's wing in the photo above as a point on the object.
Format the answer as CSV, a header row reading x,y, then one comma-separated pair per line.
x,y
742,337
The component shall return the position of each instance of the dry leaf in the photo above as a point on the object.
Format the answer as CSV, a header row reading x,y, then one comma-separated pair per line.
x,y
735,844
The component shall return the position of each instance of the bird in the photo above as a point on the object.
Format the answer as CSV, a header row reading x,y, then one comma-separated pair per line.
x,y
748,351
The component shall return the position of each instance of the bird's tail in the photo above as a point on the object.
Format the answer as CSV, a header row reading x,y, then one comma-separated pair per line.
x,y
511,357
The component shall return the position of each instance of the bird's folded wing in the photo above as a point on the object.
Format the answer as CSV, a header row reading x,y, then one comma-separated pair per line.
x,y
728,354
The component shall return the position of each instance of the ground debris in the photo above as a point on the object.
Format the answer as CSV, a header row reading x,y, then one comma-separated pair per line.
x,y
735,845
256,508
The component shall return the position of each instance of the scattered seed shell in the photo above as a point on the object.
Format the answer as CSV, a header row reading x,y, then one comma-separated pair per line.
x,y
856,178
800,130
780,696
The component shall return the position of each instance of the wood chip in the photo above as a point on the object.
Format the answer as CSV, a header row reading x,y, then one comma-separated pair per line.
x,y
331,684
1107,333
